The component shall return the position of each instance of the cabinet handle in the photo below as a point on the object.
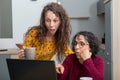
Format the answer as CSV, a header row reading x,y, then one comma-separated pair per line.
x,y
33,0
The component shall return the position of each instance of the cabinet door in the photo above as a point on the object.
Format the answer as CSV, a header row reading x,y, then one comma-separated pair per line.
x,y
4,75
77,8
5,19
108,42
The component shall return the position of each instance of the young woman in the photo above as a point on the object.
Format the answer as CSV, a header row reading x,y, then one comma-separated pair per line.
x,y
51,36
84,62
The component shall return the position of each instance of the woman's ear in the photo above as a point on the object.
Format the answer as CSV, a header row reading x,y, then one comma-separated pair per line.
x,y
88,47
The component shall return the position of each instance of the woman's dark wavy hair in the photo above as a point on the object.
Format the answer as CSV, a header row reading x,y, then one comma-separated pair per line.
x,y
91,39
63,33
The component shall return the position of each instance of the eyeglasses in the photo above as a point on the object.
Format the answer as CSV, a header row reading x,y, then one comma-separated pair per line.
x,y
80,44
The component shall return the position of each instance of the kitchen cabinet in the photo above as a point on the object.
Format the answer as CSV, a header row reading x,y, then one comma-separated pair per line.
x,y
11,53
108,41
106,53
5,19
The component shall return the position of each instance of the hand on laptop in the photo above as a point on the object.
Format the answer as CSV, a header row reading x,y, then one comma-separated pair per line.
x,y
59,69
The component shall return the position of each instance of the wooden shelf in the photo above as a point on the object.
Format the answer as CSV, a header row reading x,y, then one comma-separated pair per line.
x,y
106,1
74,17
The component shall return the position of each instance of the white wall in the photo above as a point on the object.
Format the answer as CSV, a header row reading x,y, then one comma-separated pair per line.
x,y
25,13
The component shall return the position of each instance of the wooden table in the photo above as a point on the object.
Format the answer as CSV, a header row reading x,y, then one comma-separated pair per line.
x,y
13,52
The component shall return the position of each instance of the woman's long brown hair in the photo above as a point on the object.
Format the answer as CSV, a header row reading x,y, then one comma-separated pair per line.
x,y
63,33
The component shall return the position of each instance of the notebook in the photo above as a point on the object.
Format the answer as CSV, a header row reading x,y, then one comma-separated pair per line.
x,y
31,69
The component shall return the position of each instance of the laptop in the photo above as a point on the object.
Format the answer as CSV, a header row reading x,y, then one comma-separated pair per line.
x,y
20,69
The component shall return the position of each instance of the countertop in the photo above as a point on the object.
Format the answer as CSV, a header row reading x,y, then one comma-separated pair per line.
x,y
12,51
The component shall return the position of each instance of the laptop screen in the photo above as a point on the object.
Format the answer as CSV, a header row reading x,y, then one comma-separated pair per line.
x,y
31,69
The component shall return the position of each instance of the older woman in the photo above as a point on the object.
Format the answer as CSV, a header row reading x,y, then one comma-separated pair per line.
x,y
84,62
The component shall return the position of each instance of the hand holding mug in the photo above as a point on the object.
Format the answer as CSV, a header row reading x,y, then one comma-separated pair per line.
x,y
21,54
27,53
